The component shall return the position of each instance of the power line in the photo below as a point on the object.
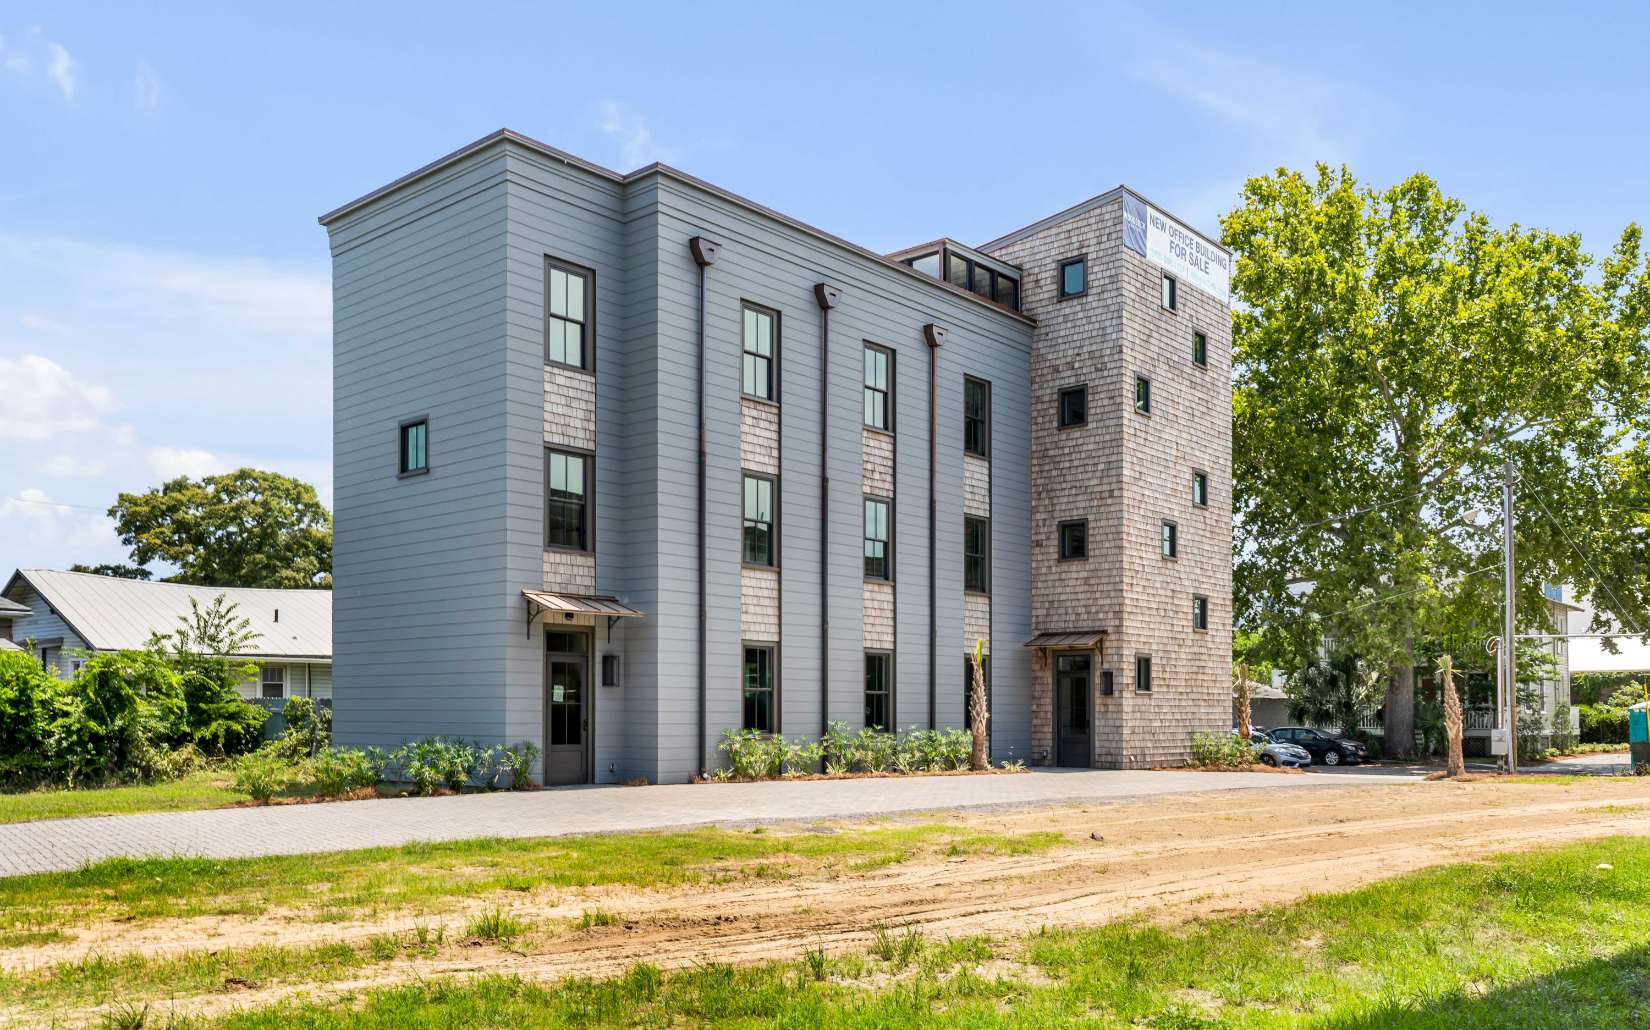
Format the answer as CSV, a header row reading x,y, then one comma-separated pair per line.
x,y
54,504
1603,584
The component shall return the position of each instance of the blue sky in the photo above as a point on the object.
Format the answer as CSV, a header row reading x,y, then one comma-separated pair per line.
x,y
164,300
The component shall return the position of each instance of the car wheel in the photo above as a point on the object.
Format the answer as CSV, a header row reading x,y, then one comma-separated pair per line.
x,y
1332,758
1268,760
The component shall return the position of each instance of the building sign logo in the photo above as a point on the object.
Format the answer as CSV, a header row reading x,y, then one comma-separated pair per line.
x,y
1176,249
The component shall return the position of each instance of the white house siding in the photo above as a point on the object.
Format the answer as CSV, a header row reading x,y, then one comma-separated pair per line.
x,y
43,627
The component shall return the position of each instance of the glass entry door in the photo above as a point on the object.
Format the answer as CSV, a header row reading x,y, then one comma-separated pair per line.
x,y
567,722
1073,698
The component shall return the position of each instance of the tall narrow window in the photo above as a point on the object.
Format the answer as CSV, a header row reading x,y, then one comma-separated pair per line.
x,y
879,681
1200,489
566,497
976,417
760,338
759,549
1074,279
1171,298
877,565
1200,612
415,447
976,554
1200,349
759,708
1074,406
1074,540
567,328
1143,673
1143,395
879,379
1171,540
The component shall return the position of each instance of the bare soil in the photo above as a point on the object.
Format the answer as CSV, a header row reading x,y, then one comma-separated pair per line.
x,y
1165,859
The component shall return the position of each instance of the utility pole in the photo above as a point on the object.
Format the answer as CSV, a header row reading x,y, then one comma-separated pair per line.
x,y
1509,627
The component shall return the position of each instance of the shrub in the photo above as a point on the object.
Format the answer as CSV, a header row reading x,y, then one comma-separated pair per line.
x,y
517,760
438,762
341,771
132,705
262,774
32,701
308,728
1223,751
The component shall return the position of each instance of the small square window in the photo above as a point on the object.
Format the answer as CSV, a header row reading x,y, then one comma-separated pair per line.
x,y
1170,293
1107,688
1143,395
1200,489
1200,350
610,670
1171,535
1074,406
1200,613
1074,540
1143,673
415,447
1074,279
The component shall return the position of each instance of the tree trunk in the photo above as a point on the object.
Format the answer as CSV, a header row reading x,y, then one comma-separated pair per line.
x,y
1398,726
1246,722
978,713
1452,717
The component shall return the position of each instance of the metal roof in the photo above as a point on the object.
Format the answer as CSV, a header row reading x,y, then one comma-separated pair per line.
x,y
579,604
1079,638
112,614
10,607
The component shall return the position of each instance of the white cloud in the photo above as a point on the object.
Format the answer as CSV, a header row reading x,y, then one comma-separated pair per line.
x,y
41,323
146,87
630,131
42,400
13,60
67,466
172,462
33,520
63,69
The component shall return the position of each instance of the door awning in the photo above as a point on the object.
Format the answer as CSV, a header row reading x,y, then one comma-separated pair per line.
x,y
1077,638
541,602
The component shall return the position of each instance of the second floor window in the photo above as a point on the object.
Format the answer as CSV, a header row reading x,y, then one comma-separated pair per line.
x,y
878,385
877,565
1074,406
566,495
1074,540
1143,673
415,447
758,520
1143,395
1073,278
976,554
566,328
1200,612
1171,540
976,417
757,377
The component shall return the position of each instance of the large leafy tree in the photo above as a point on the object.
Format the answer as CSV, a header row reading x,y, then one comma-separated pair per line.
x,y
1391,352
247,528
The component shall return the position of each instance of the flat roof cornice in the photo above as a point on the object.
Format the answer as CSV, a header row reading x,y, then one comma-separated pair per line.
x,y
1083,207
545,150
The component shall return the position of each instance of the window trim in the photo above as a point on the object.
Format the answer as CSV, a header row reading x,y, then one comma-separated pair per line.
x,y
1139,408
1200,335
1170,286
1060,407
589,323
890,692
1060,277
589,526
888,394
1060,540
887,545
1200,478
401,448
985,555
773,359
1145,656
772,647
263,681
985,416
1200,613
1171,538
773,524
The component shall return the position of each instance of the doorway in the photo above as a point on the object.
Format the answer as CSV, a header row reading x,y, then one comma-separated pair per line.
x,y
1073,702
566,708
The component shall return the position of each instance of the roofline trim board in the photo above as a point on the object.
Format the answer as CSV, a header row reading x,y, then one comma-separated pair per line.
x,y
19,574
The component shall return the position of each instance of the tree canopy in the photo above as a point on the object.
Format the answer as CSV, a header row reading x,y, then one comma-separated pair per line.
x,y
1391,351
246,528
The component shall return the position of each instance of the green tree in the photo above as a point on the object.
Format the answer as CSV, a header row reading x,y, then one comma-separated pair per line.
x,y
117,571
247,528
204,650
1391,352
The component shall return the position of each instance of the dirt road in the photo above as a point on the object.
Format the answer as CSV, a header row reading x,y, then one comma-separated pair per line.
x,y
1164,859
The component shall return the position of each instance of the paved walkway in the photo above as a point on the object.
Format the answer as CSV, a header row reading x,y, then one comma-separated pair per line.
x,y
63,844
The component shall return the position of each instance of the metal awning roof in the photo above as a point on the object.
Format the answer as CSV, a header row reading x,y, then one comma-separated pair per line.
x,y
578,604
1078,638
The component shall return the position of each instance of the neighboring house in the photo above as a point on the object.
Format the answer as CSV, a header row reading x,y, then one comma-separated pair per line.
x,y
10,612
1026,443
67,615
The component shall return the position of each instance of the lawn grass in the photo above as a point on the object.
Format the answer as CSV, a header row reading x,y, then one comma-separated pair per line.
x,y
433,877
205,789
1547,939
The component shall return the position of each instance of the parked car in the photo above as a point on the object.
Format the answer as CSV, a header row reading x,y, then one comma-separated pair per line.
x,y
1277,753
1323,748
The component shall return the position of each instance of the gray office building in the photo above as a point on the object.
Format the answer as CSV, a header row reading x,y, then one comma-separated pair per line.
x,y
625,461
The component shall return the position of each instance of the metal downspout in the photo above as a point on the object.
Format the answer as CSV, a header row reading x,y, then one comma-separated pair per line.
x,y
704,255
935,335
827,296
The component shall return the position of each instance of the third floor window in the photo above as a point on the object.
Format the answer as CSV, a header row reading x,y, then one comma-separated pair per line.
x,y
760,339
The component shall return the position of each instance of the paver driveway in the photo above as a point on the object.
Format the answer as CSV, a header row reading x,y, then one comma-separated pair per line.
x,y
61,844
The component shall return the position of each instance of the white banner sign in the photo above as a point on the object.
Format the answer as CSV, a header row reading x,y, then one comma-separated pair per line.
x,y
1176,249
